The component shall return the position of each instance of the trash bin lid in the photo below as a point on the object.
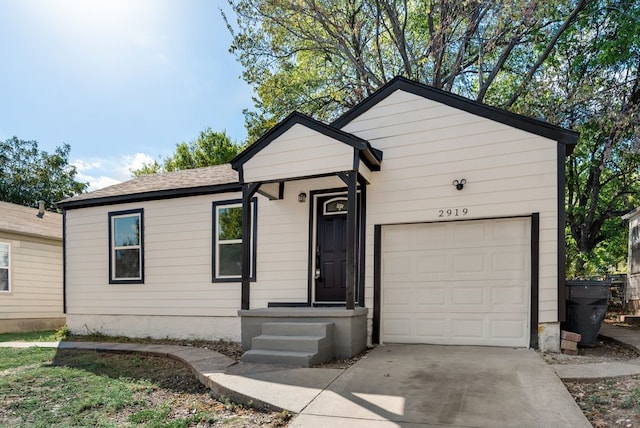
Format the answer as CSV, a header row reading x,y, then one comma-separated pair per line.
x,y
588,289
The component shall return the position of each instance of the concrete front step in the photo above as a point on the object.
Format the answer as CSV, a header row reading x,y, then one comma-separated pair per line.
x,y
285,358
297,328
290,343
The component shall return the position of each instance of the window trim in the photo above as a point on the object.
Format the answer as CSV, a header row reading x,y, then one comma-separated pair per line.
x,y
112,248
8,268
232,203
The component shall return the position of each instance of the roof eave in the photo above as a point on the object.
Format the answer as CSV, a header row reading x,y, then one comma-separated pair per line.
x,y
152,195
33,235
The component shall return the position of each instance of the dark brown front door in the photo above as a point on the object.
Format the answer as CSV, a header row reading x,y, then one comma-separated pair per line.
x,y
331,248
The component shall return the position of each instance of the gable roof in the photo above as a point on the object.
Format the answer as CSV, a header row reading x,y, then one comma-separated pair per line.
x,y
370,156
25,221
188,182
561,135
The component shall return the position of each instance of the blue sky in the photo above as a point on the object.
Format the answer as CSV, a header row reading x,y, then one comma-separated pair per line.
x,y
120,81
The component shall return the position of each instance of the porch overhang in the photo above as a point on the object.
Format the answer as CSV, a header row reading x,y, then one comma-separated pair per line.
x,y
299,148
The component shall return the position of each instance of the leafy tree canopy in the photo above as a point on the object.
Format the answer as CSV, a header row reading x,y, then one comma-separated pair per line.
x,y
210,148
322,57
592,84
29,175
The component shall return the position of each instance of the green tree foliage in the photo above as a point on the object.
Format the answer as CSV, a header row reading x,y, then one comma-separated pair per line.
x,y
571,63
322,57
210,148
29,175
592,84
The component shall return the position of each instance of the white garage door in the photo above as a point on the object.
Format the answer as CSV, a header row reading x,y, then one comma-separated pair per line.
x,y
457,283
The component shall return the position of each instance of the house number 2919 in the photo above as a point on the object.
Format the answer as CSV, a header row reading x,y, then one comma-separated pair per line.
x,y
453,212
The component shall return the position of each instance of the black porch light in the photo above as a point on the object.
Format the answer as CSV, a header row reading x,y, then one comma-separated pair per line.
x,y
459,183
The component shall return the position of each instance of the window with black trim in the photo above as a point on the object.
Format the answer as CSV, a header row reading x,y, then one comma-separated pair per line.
x,y
5,273
126,247
227,240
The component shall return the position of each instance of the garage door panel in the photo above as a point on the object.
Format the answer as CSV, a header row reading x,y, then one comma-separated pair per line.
x,y
397,265
469,263
462,283
426,235
508,330
510,260
469,296
400,329
431,329
512,295
429,263
509,232
468,234
468,328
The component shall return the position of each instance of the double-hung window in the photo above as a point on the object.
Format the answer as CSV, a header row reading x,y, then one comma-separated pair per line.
x,y
5,273
126,247
227,240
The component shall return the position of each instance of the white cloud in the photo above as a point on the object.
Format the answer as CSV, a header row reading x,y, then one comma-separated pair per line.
x,y
100,182
101,173
133,162
86,166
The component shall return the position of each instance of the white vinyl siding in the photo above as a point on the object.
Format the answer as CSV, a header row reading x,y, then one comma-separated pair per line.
x,y
427,145
35,279
177,263
299,152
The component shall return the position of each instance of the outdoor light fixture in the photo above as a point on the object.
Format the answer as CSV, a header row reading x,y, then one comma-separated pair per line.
x,y
459,183
302,197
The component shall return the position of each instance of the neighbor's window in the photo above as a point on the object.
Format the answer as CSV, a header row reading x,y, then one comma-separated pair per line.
x,y
126,247
4,267
227,240
635,249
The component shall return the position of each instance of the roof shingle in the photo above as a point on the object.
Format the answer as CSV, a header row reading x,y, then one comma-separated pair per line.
x,y
186,179
24,220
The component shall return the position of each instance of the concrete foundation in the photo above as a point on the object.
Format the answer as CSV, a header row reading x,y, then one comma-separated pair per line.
x,y
157,327
30,324
549,337
350,326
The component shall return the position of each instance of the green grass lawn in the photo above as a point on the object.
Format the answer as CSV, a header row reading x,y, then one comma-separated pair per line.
x,y
42,387
36,336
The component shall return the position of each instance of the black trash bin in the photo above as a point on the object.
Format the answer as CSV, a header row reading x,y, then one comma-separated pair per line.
x,y
586,308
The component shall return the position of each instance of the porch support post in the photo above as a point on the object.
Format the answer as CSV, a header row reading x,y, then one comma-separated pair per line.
x,y
352,237
248,190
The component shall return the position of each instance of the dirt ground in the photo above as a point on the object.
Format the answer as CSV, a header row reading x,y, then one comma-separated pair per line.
x,y
611,402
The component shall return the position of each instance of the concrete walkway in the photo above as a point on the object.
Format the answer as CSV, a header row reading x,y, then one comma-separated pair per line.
x,y
393,385
624,336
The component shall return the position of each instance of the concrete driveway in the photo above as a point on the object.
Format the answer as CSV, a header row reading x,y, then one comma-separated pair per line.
x,y
429,385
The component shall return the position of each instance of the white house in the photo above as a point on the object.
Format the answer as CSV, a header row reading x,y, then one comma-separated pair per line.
x,y
417,217
30,269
